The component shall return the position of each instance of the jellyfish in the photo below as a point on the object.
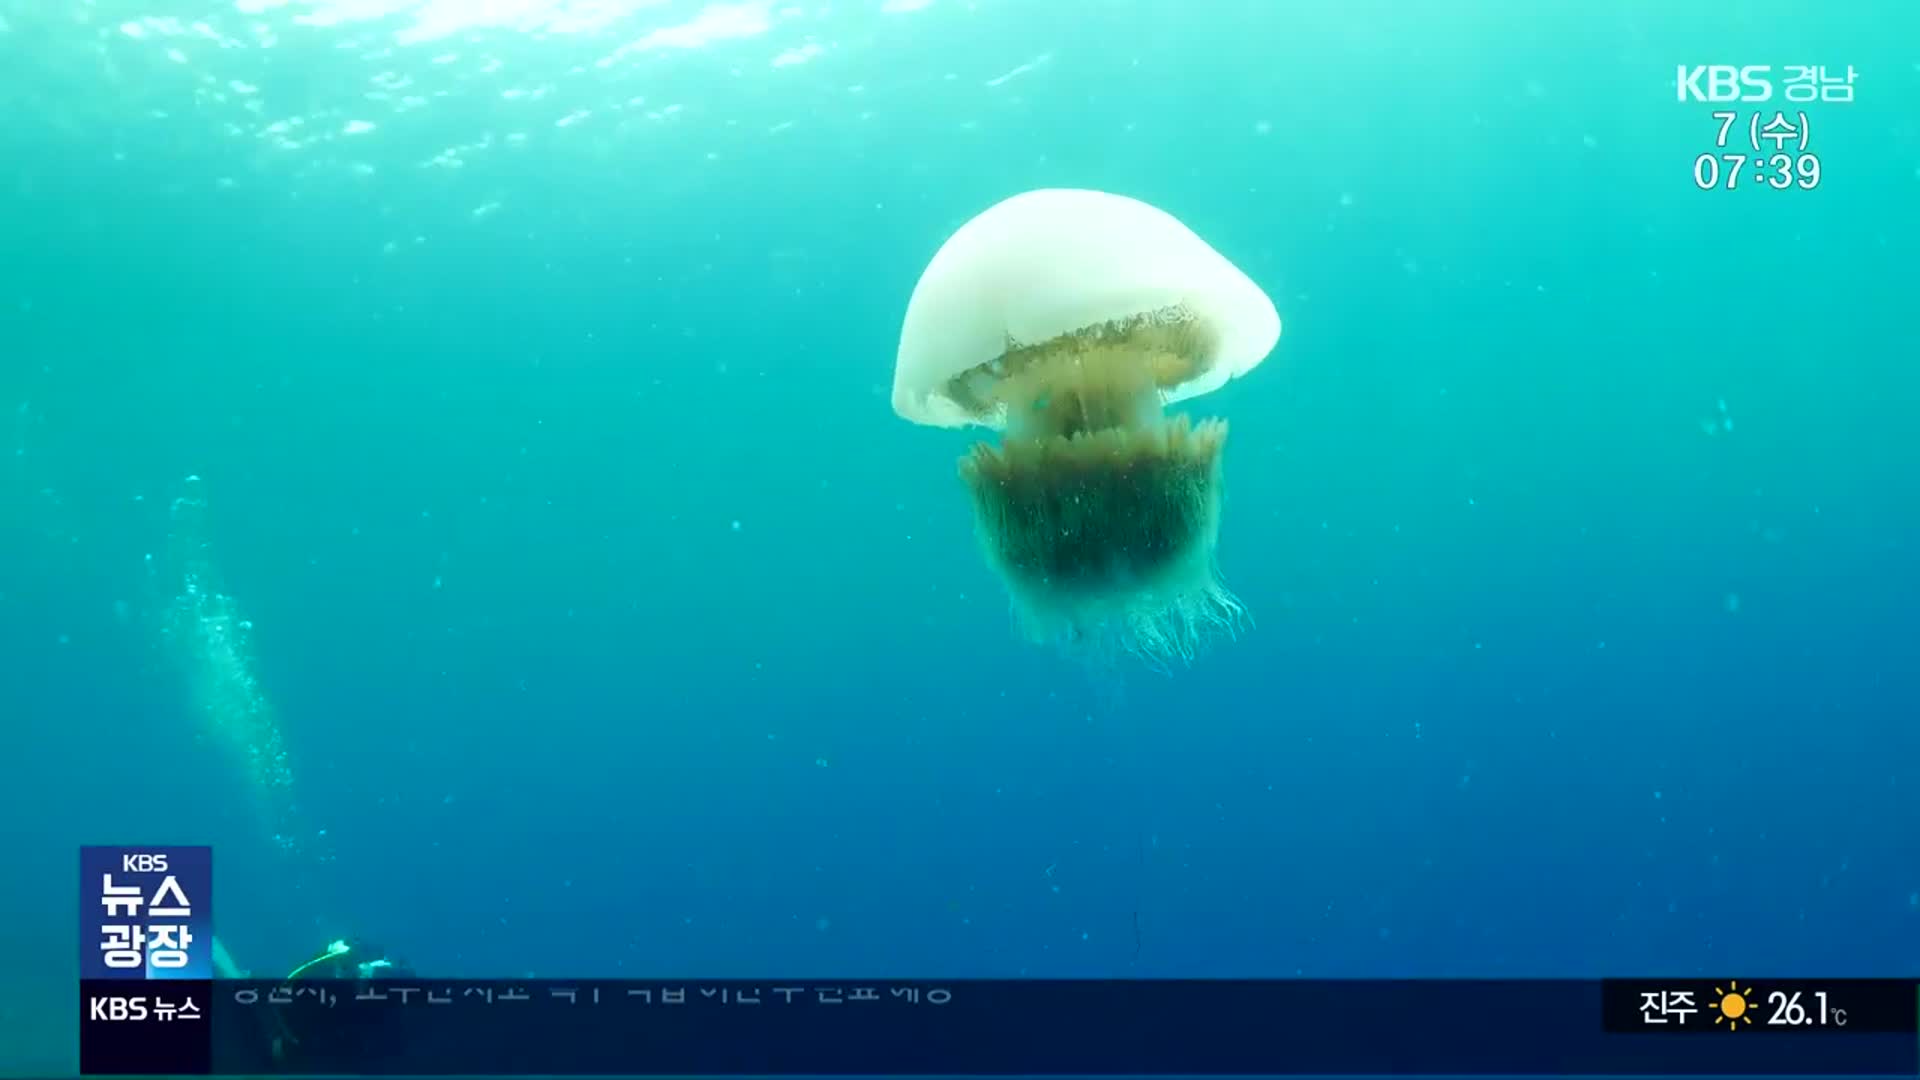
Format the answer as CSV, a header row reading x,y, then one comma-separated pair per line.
x,y
1068,321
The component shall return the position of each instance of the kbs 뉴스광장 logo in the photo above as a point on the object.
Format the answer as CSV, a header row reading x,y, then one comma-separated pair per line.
x,y
146,912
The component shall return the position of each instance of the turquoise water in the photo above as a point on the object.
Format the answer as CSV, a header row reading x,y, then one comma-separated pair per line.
x,y
557,530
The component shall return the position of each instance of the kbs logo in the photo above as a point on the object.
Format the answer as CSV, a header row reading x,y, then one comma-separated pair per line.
x,y
146,912
138,1008
117,1008
1724,83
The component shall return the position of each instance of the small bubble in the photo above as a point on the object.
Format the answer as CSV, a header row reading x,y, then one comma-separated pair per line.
x,y
822,924
735,526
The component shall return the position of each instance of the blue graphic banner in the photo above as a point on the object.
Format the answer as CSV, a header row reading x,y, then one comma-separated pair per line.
x,y
1041,1028
146,913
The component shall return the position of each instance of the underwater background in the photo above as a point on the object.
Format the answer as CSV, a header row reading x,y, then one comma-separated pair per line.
x,y
558,592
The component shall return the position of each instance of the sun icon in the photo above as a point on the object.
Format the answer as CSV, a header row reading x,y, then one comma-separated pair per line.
x,y
1733,1006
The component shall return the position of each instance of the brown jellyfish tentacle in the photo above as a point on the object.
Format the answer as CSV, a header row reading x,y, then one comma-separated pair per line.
x,y
1102,512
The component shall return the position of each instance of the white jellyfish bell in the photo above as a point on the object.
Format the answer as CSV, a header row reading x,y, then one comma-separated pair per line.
x,y
1069,320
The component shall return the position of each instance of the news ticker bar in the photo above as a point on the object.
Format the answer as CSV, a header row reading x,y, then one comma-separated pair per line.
x,y
992,1028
